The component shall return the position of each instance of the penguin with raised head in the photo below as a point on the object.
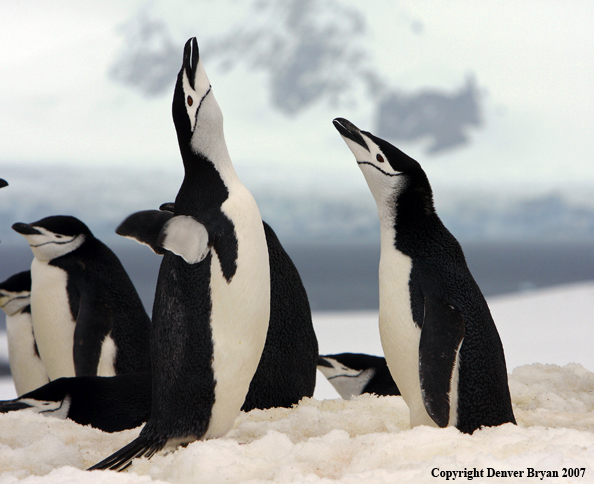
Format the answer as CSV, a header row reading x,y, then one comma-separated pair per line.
x,y
353,374
287,369
438,336
87,316
26,367
212,301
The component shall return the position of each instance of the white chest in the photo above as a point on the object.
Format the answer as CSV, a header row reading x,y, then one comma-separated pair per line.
x,y
26,367
240,314
399,334
53,324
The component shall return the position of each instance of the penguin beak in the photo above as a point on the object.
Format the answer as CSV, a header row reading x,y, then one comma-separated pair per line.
x,y
191,59
3,183
349,131
323,362
25,229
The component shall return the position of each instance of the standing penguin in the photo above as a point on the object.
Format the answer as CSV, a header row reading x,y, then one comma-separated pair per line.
x,y
87,316
287,369
28,371
439,338
212,302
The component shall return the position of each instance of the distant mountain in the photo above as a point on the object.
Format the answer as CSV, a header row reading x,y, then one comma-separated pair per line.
x,y
312,51
309,212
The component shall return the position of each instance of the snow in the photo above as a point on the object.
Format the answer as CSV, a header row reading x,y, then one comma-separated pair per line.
x,y
367,439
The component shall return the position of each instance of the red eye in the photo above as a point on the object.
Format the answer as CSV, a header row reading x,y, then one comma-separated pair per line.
x,y
190,101
379,158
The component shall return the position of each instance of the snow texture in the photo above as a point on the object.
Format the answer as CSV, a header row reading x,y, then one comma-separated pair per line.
x,y
366,439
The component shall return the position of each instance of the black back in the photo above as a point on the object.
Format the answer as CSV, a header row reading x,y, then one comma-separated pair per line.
x,y
111,404
439,271
287,369
17,283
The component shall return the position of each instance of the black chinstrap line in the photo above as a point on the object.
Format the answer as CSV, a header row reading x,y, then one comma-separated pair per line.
x,y
379,169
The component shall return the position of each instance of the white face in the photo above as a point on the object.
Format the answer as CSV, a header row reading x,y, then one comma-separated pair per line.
x,y
384,182
206,117
348,382
13,302
47,245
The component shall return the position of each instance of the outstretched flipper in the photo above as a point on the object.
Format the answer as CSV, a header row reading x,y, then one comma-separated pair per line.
x,y
162,231
144,227
111,404
3,183
441,338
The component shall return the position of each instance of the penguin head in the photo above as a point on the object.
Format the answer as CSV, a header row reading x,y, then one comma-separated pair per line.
x,y
388,170
54,236
15,293
346,374
196,114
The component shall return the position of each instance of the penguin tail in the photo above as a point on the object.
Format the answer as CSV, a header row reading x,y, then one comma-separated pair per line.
x,y
142,446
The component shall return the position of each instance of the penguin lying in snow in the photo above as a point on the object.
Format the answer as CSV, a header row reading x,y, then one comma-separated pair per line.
x,y
212,302
87,316
440,342
353,374
111,404
28,371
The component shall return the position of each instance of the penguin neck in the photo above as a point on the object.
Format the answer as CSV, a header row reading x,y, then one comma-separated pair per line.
x,y
406,212
208,178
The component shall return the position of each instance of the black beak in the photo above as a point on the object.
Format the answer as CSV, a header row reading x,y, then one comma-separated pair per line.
x,y
25,229
323,362
350,131
191,58
167,207
3,183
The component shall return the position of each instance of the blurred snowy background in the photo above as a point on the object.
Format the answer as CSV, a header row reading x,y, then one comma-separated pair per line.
x,y
494,99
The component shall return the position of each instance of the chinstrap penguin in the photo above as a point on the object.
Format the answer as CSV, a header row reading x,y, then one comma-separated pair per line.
x,y
212,302
438,336
353,374
87,316
111,404
26,367
287,369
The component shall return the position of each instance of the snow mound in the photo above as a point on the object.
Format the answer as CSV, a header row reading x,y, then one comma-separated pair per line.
x,y
366,439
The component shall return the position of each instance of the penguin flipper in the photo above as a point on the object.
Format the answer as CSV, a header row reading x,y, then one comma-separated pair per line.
x,y
441,337
144,227
186,237
3,183
142,446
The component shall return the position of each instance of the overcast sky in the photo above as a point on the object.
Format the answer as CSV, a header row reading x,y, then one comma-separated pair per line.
x,y
533,63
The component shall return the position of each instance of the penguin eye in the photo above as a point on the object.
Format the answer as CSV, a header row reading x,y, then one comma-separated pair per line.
x,y
190,101
59,236
379,158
